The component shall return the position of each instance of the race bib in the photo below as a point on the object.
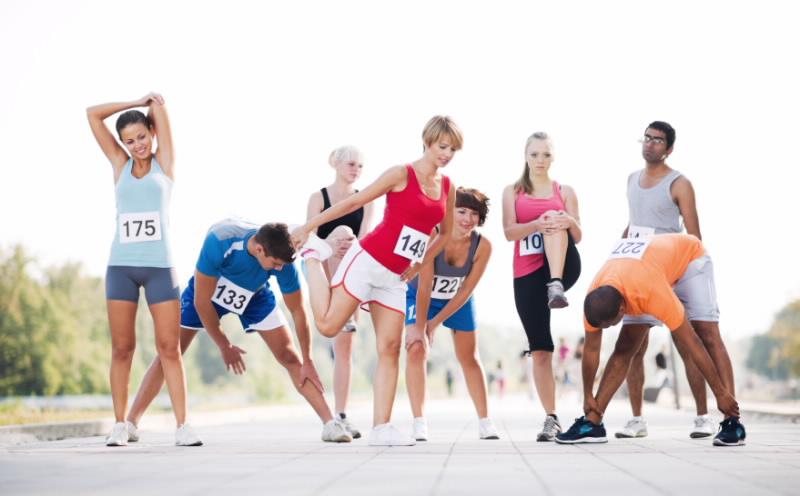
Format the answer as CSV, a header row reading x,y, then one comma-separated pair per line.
x,y
230,296
640,231
532,244
630,248
411,244
139,227
444,287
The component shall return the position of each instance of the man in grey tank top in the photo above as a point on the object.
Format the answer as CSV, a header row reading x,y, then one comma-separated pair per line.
x,y
659,198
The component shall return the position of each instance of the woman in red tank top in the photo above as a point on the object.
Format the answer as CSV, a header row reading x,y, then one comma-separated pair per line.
x,y
541,217
373,272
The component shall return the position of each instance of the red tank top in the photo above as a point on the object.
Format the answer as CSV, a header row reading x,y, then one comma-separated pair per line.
x,y
408,209
527,209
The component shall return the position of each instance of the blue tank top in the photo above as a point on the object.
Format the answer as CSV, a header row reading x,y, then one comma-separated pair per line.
x,y
142,233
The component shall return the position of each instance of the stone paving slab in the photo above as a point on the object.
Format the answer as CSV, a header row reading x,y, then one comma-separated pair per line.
x,y
276,450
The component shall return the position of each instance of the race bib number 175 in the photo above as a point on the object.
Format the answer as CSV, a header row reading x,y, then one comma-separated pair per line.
x,y
139,226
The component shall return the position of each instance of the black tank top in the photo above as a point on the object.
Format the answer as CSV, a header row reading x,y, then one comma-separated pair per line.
x,y
353,219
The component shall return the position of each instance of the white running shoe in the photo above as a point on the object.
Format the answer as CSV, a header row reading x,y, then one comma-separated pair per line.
x,y
634,428
486,429
703,427
348,426
335,432
550,429
420,429
133,432
316,247
389,435
185,436
118,436
555,295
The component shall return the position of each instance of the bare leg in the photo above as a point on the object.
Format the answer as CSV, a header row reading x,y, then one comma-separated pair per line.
x,y
279,341
166,321
122,321
153,380
416,378
697,384
635,376
466,345
388,337
342,369
544,380
555,250
710,335
331,307
616,370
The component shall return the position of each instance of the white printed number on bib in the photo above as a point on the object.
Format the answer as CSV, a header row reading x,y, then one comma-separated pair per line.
x,y
139,226
630,248
531,245
230,296
444,288
411,244
640,231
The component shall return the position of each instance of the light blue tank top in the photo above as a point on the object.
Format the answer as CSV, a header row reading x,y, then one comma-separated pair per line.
x,y
142,233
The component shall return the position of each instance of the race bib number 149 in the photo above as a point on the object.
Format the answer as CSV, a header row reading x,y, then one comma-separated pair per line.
x,y
411,244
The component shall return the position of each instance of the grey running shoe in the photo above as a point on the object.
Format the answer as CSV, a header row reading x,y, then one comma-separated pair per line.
x,y
348,426
634,428
334,432
555,295
550,428
133,432
118,436
703,427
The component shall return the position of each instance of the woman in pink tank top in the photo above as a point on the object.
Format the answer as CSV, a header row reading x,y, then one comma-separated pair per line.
x,y
373,272
541,217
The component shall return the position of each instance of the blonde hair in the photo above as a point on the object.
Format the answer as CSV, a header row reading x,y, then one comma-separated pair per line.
x,y
442,125
524,184
345,154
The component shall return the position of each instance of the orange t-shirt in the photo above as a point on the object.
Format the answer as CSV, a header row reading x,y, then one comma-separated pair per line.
x,y
646,283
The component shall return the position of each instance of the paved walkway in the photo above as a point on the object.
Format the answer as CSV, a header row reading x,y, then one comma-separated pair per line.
x,y
276,450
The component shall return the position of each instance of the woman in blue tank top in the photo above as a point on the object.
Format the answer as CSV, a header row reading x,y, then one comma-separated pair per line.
x,y
140,254
347,162
442,295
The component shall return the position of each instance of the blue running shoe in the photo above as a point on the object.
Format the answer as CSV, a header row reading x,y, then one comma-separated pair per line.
x,y
583,431
731,433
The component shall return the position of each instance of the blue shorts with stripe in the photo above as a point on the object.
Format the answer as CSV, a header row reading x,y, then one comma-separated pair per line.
x,y
462,320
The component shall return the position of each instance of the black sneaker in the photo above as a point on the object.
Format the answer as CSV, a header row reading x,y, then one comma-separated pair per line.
x,y
583,431
731,433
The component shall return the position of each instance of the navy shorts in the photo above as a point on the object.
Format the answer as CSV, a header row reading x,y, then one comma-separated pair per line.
x,y
463,320
261,314
123,283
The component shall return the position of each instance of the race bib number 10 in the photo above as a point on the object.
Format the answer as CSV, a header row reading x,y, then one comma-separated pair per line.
x,y
532,244
411,244
139,226
230,296
444,288
630,248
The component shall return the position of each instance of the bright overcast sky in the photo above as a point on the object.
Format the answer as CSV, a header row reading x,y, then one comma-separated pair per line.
x,y
259,95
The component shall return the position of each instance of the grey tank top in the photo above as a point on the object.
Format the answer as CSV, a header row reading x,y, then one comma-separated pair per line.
x,y
444,269
653,208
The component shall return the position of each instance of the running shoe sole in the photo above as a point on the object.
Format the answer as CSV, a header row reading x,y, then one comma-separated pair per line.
x,y
543,438
699,435
622,435
491,437
583,440
558,302
718,442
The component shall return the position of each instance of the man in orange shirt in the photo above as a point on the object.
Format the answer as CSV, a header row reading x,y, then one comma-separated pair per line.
x,y
666,276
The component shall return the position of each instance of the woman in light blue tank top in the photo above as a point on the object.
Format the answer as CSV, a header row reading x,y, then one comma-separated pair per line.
x,y
140,255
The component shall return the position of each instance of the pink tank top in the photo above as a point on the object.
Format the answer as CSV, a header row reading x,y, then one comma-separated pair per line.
x,y
528,209
408,209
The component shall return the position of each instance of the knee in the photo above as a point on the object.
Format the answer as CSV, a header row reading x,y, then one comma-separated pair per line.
x,y
123,351
389,348
542,358
417,354
340,232
168,350
626,349
708,332
287,357
327,329
468,360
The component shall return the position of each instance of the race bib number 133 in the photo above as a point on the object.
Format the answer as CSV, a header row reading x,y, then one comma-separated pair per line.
x,y
231,296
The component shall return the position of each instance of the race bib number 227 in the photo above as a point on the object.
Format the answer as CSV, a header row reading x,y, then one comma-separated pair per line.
x,y
630,248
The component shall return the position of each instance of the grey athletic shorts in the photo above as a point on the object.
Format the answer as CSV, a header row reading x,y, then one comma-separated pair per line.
x,y
696,290
123,283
